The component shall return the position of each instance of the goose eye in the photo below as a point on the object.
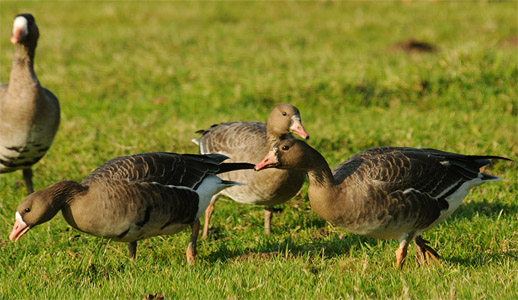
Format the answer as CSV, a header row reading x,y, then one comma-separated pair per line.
x,y
27,210
285,148
284,113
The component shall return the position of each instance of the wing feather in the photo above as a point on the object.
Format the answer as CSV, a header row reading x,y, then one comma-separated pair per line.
x,y
165,168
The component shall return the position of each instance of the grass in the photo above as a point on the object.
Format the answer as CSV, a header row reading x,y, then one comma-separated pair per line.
x,y
135,77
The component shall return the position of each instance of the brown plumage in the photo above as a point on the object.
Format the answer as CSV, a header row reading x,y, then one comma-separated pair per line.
x,y
250,142
29,113
388,192
133,197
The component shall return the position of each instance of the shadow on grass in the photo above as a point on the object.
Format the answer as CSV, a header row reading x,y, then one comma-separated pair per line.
x,y
482,259
483,208
294,248
326,250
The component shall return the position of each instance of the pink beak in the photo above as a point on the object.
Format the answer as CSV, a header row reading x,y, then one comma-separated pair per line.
x,y
270,159
19,229
298,129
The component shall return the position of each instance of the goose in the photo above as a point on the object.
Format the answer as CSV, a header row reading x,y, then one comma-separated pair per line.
x,y
29,113
250,142
386,192
134,197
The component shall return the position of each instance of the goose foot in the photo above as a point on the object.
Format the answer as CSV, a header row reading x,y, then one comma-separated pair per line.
x,y
27,176
191,248
132,248
425,253
208,214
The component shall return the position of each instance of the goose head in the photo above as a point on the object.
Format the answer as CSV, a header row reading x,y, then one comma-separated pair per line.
x,y
285,118
41,206
25,30
289,154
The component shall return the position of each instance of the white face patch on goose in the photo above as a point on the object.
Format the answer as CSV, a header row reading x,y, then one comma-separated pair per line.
x,y
19,218
20,24
276,151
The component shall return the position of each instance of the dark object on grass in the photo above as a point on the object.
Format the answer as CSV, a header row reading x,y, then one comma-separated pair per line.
x,y
412,45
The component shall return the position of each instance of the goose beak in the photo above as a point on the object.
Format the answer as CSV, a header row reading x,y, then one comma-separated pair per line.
x,y
298,129
17,35
269,161
19,229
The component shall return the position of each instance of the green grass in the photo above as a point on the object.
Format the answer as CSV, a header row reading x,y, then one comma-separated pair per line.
x,y
135,77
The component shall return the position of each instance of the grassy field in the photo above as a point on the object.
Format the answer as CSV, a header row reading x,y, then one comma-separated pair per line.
x,y
136,77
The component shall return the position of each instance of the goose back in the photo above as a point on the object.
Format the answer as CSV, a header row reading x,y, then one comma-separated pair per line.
x,y
160,167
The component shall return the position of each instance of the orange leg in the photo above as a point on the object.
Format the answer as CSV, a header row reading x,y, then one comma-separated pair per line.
x,y
208,214
400,256
191,248
401,252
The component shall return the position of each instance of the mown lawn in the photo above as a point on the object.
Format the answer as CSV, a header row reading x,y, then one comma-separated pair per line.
x,y
144,76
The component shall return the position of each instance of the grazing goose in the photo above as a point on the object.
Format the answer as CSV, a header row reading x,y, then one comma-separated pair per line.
x,y
29,113
386,192
250,142
130,198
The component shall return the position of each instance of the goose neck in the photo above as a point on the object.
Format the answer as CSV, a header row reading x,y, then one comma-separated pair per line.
x,y
22,72
328,198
